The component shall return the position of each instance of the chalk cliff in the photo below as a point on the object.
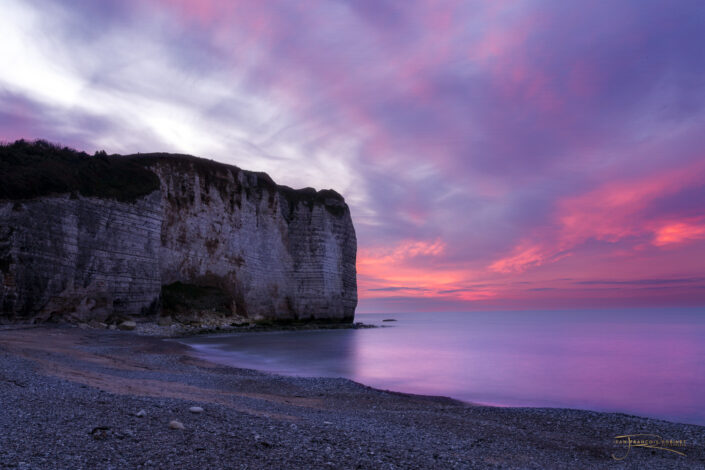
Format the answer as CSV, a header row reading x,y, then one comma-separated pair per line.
x,y
99,237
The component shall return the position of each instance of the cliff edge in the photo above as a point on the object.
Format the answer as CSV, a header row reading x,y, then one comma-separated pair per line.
x,y
103,238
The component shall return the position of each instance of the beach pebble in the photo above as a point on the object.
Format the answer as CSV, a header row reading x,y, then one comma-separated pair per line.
x,y
174,424
196,409
141,414
127,325
100,433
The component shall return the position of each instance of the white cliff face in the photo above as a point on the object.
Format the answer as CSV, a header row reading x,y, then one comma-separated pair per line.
x,y
276,253
281,254
79,258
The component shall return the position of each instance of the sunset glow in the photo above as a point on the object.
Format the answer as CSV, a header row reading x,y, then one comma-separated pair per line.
x,y
493,154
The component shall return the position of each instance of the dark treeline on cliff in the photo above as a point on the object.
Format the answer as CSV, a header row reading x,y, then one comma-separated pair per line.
x,y
39,168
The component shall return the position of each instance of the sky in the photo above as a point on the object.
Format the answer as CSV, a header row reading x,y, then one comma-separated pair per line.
x,y
494,154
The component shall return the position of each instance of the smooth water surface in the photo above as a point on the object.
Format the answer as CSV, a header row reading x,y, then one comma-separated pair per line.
x,y
645,362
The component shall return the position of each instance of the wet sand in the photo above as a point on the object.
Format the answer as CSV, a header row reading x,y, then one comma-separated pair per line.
x,y
70,399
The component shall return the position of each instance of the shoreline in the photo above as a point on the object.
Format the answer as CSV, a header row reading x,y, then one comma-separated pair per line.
x,y
176,329
71,395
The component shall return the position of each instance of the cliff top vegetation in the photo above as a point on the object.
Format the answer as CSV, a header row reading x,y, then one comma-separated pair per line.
x,y
31,169
39,168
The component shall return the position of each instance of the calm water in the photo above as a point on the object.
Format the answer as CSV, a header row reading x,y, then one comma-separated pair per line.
x,y
644,362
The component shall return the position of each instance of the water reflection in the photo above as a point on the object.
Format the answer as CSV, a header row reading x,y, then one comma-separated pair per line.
x,y
324,353
644,362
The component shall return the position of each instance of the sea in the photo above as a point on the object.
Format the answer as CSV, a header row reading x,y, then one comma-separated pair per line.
x,y
646,362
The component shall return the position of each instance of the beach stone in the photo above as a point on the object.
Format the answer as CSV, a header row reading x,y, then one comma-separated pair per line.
x,y
127,325
175,424
100,433
196,409
141,414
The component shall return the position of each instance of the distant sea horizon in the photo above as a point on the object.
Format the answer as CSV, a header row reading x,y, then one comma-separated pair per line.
x,y
642,361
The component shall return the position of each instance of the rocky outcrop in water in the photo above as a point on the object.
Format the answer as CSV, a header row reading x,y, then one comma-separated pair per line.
x,y
103,237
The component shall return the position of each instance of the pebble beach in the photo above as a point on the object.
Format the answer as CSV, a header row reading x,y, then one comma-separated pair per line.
x,y
76,398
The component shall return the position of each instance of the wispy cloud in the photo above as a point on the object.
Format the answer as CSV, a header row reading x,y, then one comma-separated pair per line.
x,y
643,282
398,288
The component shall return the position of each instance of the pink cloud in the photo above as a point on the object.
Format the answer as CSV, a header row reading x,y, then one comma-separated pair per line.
x,y
525,256
611,213
403,269
679,232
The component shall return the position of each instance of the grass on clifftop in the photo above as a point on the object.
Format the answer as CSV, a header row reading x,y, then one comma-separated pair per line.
x,y
34,169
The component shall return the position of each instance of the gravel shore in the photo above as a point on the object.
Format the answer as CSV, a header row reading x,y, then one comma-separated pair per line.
x,y
73,398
